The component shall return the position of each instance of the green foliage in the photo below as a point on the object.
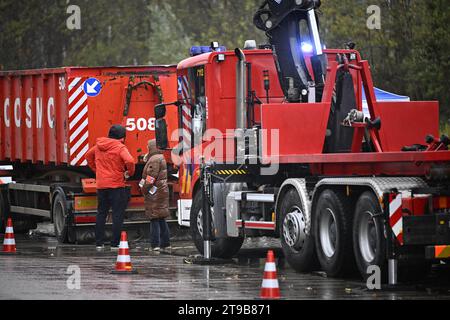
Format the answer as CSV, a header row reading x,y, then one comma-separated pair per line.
x,y
409,55
27,34
228,21
112,33
445,129
168,43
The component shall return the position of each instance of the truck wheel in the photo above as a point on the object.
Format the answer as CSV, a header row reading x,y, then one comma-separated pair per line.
x,y
298,247
224,248
368,235
60,218
370,243
71,234
333,233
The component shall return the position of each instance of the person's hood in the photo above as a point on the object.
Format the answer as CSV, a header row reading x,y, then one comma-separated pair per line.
x,y
152,150
107,144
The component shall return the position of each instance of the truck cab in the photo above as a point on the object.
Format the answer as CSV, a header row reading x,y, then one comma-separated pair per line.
x,y
206,110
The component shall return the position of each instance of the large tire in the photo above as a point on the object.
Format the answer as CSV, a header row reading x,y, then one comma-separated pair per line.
x,y
298,247
224,248
60,214
369,242
332,224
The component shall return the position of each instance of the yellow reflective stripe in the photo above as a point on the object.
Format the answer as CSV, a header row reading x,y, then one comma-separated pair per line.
x,y
229,172
183,181
188,183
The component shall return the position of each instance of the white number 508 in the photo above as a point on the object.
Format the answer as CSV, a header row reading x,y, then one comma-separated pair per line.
x,y
141,124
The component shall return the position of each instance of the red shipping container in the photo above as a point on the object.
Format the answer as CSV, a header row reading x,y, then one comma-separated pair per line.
x,y
53,116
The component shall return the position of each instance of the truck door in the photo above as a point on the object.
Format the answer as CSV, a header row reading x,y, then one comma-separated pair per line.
x,y
193,106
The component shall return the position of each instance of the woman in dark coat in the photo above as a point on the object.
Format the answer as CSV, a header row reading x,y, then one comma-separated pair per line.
x,y
156,192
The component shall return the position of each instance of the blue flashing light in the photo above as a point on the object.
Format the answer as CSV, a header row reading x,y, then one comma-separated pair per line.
x,y
206,49
307,47
197,50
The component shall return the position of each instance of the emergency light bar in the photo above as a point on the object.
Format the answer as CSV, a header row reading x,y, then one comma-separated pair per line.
x,y
197,50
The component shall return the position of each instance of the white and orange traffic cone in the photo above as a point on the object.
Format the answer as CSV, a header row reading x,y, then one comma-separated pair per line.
x,y
270,288
123,264
9,243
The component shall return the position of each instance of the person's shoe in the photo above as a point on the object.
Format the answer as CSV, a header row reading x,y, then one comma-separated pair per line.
x,y
100,247
114,248
157,249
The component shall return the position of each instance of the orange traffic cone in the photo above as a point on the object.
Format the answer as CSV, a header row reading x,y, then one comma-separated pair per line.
x,y
123,264
9,244
270,288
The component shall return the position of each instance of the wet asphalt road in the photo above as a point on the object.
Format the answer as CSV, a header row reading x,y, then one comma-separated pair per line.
x,y
40,272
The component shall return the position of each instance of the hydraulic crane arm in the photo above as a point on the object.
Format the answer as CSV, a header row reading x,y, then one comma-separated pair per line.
x,y
292,26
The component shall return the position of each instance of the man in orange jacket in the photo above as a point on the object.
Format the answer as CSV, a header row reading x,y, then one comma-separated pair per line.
x,y
112,163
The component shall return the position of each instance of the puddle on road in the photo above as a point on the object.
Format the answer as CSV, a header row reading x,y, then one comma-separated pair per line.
x,y
44,263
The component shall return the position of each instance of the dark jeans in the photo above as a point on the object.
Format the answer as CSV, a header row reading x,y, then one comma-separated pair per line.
x,y
159,233
117,200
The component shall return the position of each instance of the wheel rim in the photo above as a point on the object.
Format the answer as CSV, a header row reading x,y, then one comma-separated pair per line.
x,y
59,217
200,221
294,228
328,232
367,236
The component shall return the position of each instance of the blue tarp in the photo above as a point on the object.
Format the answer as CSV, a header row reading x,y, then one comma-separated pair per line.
x,y
382,95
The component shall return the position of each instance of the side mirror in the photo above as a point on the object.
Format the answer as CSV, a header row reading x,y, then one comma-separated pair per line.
x,y
161,134
162,141
160,111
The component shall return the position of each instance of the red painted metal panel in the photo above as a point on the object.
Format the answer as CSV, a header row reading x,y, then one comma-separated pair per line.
x,y
85,219
416,206
27,140
4,134
39,123
199,60
369,157
13,113
2,129
221,84
32,108
301,126
91,117
406,123
39,149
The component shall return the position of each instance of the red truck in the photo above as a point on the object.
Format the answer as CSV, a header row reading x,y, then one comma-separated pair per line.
x,y
290,153
48,121
289,150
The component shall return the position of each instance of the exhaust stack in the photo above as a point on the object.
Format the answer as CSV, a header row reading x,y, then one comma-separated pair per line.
x,y
241,81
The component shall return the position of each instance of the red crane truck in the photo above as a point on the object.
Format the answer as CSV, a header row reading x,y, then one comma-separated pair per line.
x,y
289,153
48,121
